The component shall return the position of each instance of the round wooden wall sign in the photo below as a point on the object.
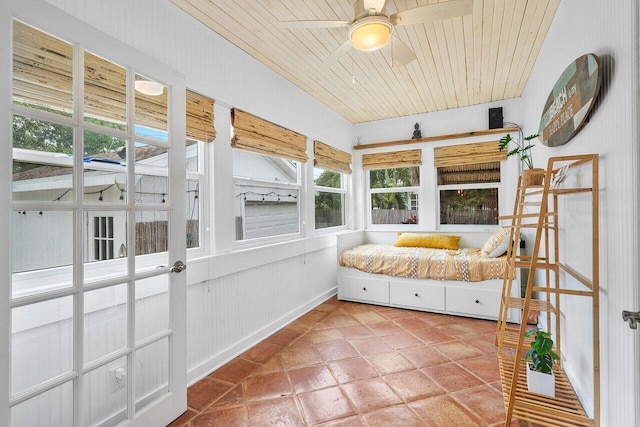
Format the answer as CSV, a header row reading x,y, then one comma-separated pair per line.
x,y
570,101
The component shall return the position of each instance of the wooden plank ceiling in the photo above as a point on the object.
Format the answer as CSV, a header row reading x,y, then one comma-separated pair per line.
x,y
481,57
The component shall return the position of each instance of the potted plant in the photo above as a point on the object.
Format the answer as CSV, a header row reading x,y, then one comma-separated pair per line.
x,y
530,175
540,378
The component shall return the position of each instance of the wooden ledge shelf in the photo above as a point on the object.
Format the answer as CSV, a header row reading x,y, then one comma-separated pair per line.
x,y
436,138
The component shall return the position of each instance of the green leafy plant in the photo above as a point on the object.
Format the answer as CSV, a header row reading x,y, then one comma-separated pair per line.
x,y
522,151
541,353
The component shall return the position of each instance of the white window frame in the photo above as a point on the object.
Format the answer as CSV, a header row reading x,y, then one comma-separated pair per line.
x,y
414,189
344,187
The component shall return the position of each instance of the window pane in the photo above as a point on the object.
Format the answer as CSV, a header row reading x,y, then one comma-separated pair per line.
x,y
394,208
266,168
394,177
152,373
329,209
105,321
325,178
151,189
105,250
193,214
53,408
152,231
104,400
152,306
105,100
151,111
42,160
42,70
192,152
41,342
42,245
469,206
265,211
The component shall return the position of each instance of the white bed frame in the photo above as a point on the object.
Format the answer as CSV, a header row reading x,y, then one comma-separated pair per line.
x,y
470,299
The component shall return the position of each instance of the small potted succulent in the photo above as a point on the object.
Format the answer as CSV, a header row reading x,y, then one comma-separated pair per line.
x,y
530,175
540,378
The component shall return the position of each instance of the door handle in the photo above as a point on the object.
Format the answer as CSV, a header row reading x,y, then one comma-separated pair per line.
x,y
178,267
633,317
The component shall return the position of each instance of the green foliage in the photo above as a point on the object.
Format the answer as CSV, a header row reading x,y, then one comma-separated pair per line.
x,y
326,201
392,178
522,151
541,352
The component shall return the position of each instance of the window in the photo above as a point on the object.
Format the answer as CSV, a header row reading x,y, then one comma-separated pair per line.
x,y
267,190
102,238
394,195
329,198
468,183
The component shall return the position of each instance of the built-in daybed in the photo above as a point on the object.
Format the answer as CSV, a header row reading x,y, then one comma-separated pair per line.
x,y
461,282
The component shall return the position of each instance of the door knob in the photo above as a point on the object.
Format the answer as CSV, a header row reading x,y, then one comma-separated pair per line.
x,y
178,266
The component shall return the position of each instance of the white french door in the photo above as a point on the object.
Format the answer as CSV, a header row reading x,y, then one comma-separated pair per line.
x,y
93,316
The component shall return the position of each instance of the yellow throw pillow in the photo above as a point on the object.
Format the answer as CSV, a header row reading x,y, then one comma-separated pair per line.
x,y
438,241
496,244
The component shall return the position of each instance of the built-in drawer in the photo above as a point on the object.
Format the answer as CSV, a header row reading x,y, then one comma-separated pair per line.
x,y
364,289
419,296
475,302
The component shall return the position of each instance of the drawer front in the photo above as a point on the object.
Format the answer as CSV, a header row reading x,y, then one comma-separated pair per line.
x,y
426,297
364,289
473,301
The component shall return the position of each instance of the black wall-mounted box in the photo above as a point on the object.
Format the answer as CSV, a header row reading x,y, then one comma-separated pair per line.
x,y
495,118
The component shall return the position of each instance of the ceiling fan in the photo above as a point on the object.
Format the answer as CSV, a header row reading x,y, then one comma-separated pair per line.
x,y
371,29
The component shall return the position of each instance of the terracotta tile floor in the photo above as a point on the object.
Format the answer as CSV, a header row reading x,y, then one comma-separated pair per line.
x,y
348,364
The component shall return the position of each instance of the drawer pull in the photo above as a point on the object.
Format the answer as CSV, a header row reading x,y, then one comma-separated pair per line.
x,y
417,295
364,289
477,301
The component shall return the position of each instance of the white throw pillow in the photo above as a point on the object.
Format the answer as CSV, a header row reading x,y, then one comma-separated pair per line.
x,y
497,243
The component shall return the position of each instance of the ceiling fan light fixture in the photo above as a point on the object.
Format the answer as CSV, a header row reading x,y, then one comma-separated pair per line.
x,y
370,33
148,87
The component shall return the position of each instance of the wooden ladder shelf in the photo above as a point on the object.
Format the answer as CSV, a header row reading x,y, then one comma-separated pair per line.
x,y
536,206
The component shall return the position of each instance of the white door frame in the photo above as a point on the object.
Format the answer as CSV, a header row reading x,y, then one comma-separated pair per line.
x,y
50,19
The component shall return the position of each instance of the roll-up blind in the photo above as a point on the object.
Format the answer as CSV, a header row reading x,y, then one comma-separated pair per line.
x,y
329,158
200,117
254,134
467,154
393,159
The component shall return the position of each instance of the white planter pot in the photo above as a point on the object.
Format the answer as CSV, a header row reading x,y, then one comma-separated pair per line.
x,y
540,383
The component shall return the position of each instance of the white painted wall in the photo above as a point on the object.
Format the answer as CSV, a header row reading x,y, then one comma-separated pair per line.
x,y
610,30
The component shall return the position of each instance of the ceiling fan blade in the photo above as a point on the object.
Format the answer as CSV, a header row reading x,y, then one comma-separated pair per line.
x,y
401,52
433,12
337,54
313,24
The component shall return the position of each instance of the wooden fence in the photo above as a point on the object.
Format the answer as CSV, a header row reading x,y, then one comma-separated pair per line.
x,y
152,237
393,216
469,216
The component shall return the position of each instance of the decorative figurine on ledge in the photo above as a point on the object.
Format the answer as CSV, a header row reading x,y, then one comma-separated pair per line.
x,y
416,133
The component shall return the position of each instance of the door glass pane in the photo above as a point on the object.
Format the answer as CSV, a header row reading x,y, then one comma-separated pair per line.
x,y
41,342
193,214
105,321
53,408
42,160
152,306
151,189
151,109
104,396
105,249
41,251
152,235
42,70
105,175
105,88
152,373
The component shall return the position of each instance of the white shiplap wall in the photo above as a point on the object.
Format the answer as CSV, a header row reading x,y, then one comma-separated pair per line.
x,y
610,30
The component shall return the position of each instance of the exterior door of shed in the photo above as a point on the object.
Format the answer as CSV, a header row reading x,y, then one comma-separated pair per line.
x,y
93,316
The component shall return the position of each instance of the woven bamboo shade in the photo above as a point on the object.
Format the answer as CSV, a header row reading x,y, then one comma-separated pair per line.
x,y
200,117
393,159
43,76
329,158
260,136
466,154
466,174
